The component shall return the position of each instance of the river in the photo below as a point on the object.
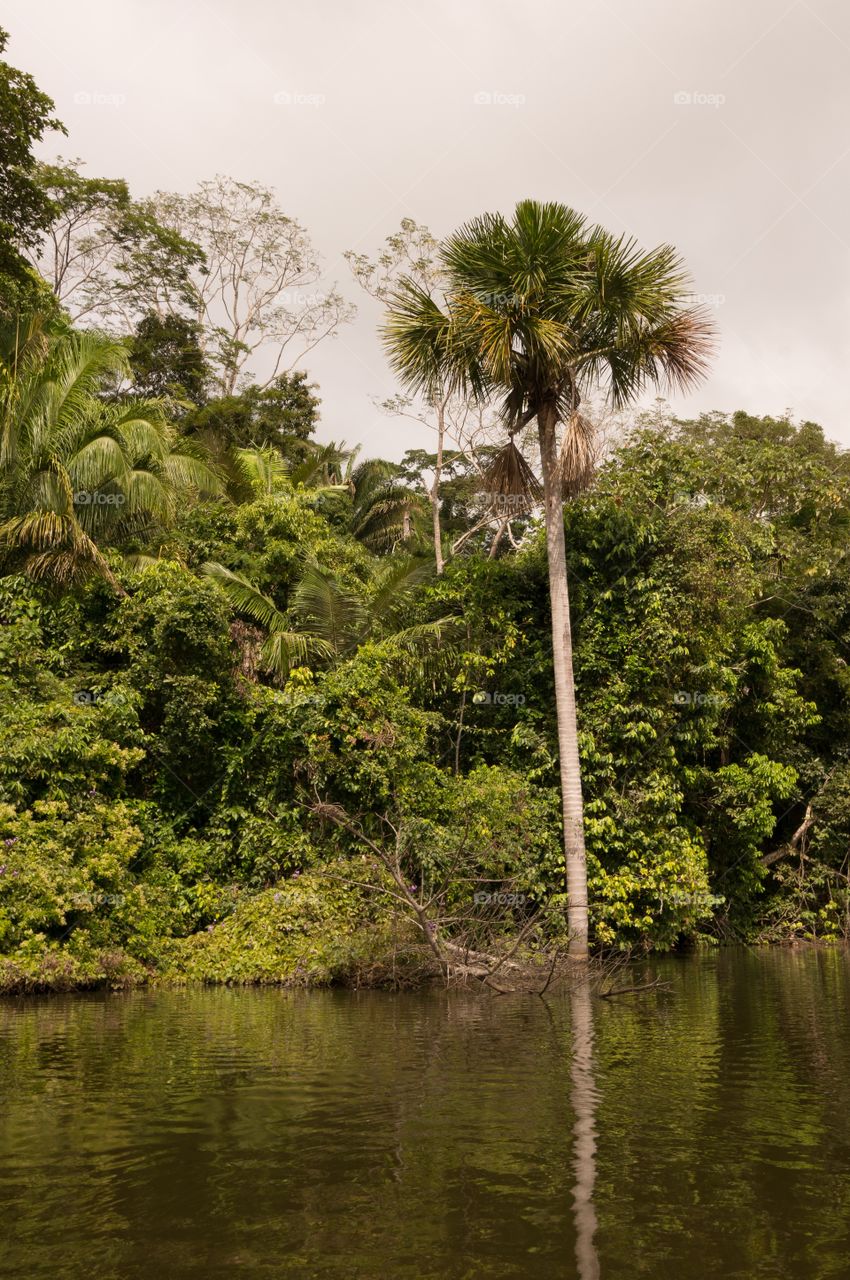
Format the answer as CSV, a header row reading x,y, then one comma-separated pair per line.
x,y
700,1130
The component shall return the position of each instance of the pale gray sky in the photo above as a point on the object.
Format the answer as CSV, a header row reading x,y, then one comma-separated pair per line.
x,y
717,125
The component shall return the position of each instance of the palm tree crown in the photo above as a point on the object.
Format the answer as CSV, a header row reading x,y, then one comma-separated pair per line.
x,y
546,306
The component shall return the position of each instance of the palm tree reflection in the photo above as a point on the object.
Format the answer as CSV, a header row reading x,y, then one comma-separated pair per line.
x,y
583,1098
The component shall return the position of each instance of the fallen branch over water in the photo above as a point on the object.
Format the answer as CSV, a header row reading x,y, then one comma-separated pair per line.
x,y
628,991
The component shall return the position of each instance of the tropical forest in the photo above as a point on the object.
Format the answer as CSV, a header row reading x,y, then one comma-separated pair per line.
x,y
548,700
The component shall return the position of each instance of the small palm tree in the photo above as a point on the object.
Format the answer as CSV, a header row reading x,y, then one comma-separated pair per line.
x,y
536,311
261,470
326,466
78,472
327,623
387,514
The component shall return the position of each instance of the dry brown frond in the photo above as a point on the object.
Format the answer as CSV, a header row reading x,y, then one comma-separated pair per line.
x,y
579,454
331,812
510,484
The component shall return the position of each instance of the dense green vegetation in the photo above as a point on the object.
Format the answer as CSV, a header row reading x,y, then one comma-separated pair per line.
x,y
249,731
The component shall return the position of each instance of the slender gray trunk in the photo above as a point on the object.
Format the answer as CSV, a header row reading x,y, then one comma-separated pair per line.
x,y
565,694
435,487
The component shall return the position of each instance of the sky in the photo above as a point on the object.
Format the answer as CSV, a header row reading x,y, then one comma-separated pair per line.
x,y
719,126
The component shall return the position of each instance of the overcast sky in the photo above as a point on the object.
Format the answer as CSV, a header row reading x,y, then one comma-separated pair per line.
x,y
717,125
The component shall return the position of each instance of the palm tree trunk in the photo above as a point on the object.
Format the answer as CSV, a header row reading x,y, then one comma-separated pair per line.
x,y
435,487
565,694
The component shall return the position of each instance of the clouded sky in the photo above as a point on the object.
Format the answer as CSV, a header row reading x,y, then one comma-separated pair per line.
x,y
717,125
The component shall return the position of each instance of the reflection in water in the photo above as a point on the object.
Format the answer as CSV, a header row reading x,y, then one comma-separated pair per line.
x,y
583,1103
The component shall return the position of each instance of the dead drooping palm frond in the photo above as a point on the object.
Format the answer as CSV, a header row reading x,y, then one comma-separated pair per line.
x,y
509,484
579,454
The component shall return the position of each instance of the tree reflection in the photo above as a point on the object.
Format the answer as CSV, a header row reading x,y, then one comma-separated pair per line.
x,y
583,1098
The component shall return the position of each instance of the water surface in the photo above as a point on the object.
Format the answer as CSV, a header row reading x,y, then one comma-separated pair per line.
x,y
701,1131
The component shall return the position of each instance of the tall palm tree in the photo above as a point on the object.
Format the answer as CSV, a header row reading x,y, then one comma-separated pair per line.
x,y
78,472
537,310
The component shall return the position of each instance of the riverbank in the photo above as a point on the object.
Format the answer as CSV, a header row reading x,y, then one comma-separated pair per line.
x,y
311,931
314,931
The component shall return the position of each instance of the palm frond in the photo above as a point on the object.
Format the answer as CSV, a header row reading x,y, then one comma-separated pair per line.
x,y
245,597
579,454
139,560
325,610
419,638
263,469
420,341
184,469
394,583
428,649
281,651
141,430
99,462
147,494
510,484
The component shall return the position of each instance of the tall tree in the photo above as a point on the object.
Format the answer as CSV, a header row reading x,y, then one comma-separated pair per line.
x,y
26,114
283,414
106,256
537,310
166,359
253,294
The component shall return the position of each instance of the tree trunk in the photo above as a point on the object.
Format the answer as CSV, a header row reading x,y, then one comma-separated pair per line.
x,y
435,487
565,694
